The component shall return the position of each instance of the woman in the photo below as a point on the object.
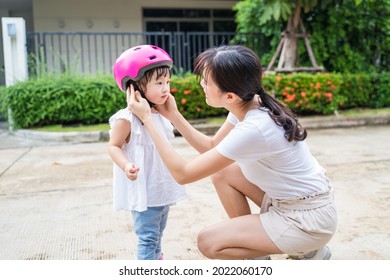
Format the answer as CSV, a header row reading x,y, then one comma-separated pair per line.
x,y
259,153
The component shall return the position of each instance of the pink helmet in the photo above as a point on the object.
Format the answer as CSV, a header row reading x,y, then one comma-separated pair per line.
x,y
134,62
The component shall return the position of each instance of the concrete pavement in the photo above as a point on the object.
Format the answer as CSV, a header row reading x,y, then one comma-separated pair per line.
x,y
56,199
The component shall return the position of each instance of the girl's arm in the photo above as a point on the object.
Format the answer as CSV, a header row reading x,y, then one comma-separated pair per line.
x,y
184,172
197,139
120,134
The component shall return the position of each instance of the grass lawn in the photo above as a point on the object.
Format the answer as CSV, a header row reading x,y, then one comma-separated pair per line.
x,y
362,112
75,128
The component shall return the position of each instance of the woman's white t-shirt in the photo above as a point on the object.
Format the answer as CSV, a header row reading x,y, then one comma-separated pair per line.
x,y
282,169
154,185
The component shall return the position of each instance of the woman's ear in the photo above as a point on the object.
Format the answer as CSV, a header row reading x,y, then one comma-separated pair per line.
x,y
230,97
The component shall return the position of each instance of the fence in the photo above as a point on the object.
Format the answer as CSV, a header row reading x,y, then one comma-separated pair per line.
x,y
95,53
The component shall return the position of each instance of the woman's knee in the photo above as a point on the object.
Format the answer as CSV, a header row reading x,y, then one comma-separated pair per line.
x,y
222,176
217,178
204,244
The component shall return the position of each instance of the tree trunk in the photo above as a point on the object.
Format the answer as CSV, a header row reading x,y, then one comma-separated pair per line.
x,y
291,43
287,50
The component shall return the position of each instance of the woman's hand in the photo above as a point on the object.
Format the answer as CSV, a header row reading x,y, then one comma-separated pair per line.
x,y
169,108
137,104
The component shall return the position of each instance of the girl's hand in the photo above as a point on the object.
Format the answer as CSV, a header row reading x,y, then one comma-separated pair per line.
x,y
131,171
168,109
137,104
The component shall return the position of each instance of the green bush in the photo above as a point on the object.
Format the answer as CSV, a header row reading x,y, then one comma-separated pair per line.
x,y
64,100
3,104
379,96
70,100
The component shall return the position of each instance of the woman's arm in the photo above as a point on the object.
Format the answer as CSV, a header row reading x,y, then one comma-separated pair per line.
x,y
184,172
197,139
120,134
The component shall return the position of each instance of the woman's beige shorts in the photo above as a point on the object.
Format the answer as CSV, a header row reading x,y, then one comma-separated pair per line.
x,y
301,225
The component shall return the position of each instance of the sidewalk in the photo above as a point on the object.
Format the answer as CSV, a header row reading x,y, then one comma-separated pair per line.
x,y
331,121
56,197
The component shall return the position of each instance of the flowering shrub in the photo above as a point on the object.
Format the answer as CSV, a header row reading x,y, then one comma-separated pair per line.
x,y
356,90
190,98
91,100
307,93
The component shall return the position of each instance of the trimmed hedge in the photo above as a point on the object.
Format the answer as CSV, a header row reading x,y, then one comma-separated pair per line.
x,y
64,100
71,100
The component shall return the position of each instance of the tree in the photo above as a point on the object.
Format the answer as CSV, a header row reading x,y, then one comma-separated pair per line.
x,y
290,13
352,38
288,45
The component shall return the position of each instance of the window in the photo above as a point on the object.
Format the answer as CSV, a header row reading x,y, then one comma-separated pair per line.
x,y
186,20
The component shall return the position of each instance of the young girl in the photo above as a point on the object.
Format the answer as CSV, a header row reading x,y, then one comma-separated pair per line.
x,y
259,153
142,182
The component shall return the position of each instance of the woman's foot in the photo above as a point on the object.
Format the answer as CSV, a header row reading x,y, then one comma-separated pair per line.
x,y
323,253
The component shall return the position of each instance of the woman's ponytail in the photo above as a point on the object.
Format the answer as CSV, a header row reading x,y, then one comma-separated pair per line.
x,y
283,117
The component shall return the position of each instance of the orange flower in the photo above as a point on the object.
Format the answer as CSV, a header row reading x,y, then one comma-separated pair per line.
x,y
173,90
290,98
303,94
329,96
279,78
318,85
187,92
198,109
183,101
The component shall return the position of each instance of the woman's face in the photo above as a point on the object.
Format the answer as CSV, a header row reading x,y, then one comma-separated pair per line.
x,y
157,90
212,92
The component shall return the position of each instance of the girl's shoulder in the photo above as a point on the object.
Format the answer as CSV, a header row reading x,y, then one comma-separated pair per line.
x,y
121,114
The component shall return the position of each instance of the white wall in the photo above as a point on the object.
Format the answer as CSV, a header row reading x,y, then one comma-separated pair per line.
x,y
104,15
15,55
3,13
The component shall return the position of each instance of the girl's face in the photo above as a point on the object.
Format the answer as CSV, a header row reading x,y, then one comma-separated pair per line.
x,y
157,90
212,92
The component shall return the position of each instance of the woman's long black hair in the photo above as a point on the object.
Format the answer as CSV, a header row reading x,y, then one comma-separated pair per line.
x,y
237,69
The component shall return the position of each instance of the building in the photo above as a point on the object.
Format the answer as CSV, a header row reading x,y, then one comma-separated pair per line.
x,y
120,16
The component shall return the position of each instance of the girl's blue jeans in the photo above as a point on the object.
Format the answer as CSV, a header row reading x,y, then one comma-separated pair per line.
x,y
149,226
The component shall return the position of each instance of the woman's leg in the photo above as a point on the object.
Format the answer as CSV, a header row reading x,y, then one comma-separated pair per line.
x,y
237,238
233,190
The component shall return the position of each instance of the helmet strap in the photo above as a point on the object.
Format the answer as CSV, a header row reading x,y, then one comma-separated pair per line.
x,y
137,88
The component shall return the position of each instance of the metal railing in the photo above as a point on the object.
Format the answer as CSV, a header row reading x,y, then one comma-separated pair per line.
x,y
95,53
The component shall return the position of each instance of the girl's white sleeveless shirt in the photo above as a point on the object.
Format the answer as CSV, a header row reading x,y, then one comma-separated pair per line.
x,y
154,185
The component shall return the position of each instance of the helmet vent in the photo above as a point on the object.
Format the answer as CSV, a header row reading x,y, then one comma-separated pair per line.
x,y
152,57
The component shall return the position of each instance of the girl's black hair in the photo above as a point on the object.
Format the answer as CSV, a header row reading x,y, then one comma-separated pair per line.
x,y
237,69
